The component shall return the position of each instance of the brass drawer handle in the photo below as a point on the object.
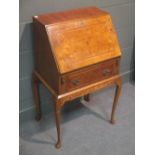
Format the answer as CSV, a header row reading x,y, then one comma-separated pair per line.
x,y
106,72
75,82
62,81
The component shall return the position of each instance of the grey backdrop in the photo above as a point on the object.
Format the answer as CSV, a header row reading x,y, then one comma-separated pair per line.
x,y
122,12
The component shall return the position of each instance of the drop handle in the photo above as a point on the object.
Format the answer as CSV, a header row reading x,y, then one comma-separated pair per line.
x,y
75,82
106,72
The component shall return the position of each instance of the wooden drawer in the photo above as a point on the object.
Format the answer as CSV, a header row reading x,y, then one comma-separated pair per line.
x,y
89,75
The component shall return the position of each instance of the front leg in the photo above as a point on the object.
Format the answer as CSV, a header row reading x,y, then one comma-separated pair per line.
x,y
117,94
35,85
57,104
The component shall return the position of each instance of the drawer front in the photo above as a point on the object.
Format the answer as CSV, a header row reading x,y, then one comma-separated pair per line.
x,y
90,75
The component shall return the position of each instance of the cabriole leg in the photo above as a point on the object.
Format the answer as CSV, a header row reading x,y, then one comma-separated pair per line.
x,y
117,94
87,97
58,121
35,85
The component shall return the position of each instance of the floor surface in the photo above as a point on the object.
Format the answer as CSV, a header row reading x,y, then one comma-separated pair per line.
x,y
86,129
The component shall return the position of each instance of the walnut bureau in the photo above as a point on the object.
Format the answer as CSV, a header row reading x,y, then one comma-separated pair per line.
x,y
76,53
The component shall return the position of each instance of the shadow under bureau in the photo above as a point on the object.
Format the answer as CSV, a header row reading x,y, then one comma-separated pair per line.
x,y
76,53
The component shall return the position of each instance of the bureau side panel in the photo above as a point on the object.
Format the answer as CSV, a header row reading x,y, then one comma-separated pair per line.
x,y
44,60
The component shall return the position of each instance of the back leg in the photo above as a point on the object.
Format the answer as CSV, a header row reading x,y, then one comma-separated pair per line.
x,y
87,97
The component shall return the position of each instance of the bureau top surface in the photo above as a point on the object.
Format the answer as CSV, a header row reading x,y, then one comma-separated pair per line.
x,y
81,37
57,17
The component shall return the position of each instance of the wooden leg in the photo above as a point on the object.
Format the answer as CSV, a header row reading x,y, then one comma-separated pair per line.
x,y
117,94
35,84
57,120
87,97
